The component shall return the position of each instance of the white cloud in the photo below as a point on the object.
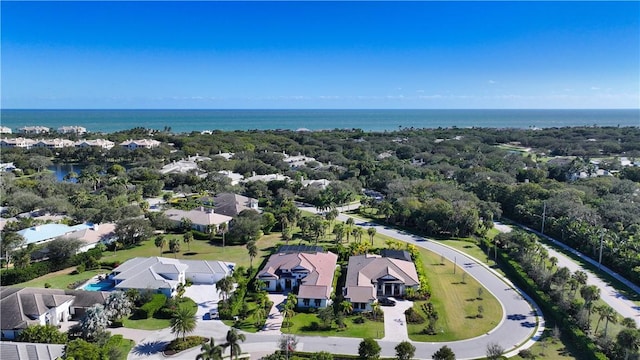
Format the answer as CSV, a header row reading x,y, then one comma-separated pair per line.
x,y
492,82
595,88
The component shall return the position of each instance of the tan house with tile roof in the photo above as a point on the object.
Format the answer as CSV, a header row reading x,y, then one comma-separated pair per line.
x,y
203,220
371,276
311,274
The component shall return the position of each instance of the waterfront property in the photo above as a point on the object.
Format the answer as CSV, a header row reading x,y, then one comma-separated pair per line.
x,y
310,274
371,276
78,130
18,142
34,130
164,275
22,307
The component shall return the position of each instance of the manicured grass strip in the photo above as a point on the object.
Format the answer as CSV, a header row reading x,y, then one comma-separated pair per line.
x,y
153,323
302,324
456,303
60,279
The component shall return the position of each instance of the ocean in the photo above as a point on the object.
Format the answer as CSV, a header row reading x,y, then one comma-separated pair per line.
x,y
185,121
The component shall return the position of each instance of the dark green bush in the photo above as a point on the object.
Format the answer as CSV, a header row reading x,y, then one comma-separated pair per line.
x,y
148,309
177,345
413,317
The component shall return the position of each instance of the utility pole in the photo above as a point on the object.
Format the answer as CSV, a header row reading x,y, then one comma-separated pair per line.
x,y
544,215
455,263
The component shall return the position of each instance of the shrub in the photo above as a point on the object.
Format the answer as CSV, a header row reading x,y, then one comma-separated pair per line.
x,y
80,268
148,309
177,345
75,284
47,285
413,317
358,320
18,275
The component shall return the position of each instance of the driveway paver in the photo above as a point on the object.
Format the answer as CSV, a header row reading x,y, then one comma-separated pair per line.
x,y
274,319
395,322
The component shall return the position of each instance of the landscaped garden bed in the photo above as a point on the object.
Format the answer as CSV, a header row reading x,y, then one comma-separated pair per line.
x,y
180,344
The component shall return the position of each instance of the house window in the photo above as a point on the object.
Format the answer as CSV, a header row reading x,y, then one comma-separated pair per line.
x,y
317,302
305,302
363,306
267,284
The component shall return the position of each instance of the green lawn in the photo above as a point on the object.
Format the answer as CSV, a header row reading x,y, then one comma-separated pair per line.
x,y
199,249
302,324
456,303
154,323
60,279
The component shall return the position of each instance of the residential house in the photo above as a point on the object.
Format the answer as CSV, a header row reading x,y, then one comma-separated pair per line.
x,y
101,143
29,351
5,130
163,275
370,276
78,130
310,274
34,130
22,307
204,220
140,144
231,204
18,142
93,235
54,143
184,165
47,232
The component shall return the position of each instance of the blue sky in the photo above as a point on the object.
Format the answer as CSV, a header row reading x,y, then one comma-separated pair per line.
x,y
320,55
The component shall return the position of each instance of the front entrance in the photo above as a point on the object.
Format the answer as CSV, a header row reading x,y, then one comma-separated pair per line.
x,y
287,284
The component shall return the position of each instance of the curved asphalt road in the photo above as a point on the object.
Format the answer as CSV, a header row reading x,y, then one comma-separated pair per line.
x,y
518,329
613,297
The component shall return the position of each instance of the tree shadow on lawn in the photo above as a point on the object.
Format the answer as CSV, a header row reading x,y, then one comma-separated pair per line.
x,y
150,347
191,253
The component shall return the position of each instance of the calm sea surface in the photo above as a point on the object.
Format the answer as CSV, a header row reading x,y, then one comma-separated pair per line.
x,y
369,120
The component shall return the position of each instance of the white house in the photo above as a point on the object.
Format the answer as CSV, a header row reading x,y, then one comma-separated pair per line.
x,y
23,307
163,275
101,143
140,144
78,130
34,130
18,142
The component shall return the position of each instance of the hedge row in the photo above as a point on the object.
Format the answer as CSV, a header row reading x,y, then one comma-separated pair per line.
x,y
585,346
157,302
19,275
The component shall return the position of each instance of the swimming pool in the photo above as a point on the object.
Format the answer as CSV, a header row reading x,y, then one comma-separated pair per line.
x,y
101,286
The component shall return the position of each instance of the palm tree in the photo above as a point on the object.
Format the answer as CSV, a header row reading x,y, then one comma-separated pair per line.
x,y
160,242
174,246
259,314
629,323
224,286
346,306
372,233
375,307
223,230
210,351
253,252
187,238
183,321
610,315
349,223
233,343
590,294
629,340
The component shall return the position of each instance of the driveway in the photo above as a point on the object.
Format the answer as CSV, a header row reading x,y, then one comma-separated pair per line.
x,y
395,322
274,319
205,296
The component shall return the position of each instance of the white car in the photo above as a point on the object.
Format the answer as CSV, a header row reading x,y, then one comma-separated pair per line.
x,y
213,314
